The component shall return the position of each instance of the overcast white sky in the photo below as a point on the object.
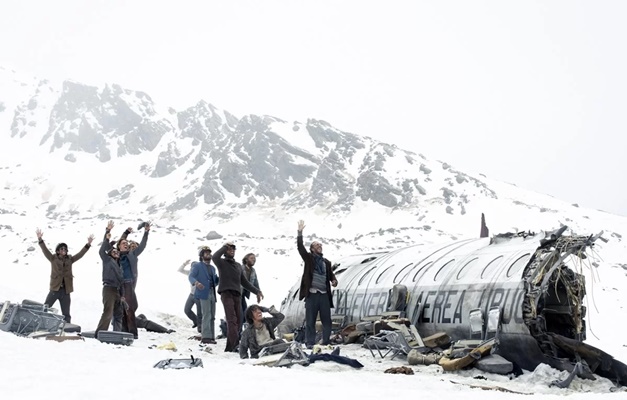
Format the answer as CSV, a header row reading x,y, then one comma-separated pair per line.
x,y
529,92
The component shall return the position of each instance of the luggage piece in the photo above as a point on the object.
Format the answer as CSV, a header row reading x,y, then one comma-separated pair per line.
x,y
113,337
274,349
89,334
495,364
179,363
29,318
71,328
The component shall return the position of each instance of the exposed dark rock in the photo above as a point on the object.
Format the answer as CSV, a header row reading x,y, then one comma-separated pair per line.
x,y
213,235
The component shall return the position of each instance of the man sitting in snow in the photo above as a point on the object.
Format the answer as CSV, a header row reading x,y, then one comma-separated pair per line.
x,y
260,331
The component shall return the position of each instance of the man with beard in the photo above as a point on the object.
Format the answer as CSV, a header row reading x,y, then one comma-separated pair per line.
x,y
61,277
232,280
248,263
315,288
111,280
204,280
128,262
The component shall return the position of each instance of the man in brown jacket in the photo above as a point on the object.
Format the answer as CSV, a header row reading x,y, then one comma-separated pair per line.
x,y
61,277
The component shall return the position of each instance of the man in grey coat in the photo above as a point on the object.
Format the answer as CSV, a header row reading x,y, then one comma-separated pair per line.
x,y
111,280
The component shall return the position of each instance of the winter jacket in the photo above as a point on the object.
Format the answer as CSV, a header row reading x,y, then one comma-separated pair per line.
x,y
111,271
305,282
231,274
252,278
205,274
61,268
249,338
132,255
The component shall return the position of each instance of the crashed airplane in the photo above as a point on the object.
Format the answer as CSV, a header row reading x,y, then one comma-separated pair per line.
x,y
521,286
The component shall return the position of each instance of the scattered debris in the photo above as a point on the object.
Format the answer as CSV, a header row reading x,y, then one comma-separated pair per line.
x,y
399,370
486,387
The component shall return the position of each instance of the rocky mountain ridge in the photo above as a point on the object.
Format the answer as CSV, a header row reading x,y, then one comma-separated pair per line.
x,y
209,163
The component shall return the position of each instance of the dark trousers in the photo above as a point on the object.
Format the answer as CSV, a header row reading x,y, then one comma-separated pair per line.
x,y
314,303
64,300
110,300
124,319
241,323
196,318
129,323
233,314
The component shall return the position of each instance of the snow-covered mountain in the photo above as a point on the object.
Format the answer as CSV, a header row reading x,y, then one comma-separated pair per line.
x,y
74,156
68,148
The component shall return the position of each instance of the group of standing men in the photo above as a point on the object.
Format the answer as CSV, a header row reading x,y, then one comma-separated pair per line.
x,y
229,282
232,281
119,278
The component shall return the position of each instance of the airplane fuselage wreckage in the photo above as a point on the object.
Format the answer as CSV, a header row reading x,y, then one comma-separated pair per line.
x,y
519,289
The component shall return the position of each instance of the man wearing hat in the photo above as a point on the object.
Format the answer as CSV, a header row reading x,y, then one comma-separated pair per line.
x,y
203,278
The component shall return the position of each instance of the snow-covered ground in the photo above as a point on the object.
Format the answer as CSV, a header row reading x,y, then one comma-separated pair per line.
x,y
77,369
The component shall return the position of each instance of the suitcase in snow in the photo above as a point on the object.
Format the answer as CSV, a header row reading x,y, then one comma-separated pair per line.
x,y
179,363
113,337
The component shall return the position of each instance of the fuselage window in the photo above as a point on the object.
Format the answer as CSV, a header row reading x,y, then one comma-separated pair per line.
x,y
365,275
397,277
466,268
443,269
421,269
489,269
518,264
295,293
383,273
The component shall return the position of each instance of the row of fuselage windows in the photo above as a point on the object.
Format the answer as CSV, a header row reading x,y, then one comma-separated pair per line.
x,y
402,275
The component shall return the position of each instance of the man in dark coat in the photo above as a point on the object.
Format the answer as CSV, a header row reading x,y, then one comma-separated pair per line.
x,y
124,318
61,276
315,288
232,279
